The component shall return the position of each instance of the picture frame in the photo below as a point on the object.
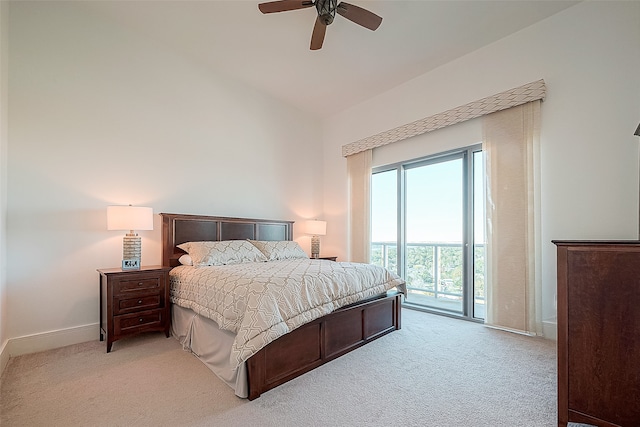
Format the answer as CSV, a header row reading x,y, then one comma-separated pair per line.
x,y
131,264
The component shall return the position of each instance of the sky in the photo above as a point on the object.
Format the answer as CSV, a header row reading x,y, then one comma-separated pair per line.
x,y
434,203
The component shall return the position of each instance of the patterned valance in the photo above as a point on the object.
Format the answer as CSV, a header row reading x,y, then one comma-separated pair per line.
x,y
501,101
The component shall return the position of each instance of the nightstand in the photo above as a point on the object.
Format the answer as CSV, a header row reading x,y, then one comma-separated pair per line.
x,y
330,258
133,301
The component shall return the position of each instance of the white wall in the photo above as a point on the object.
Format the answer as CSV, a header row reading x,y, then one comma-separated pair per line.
x,y
100,115
589,57
4,53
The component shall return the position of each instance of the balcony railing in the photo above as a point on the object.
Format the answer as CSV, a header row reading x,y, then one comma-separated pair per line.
x,y
434,273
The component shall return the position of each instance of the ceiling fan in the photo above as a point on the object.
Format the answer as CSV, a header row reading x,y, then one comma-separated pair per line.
x,y
326,12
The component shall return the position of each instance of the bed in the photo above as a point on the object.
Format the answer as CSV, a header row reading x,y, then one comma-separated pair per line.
x,y
288,354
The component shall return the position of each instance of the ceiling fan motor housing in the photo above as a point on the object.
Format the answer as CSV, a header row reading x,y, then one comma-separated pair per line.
x,y
326,10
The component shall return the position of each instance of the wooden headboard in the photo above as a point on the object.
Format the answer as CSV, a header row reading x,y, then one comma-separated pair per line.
x,y
181,228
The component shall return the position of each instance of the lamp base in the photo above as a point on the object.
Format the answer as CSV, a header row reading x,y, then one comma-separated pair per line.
x,y
131,252
315,247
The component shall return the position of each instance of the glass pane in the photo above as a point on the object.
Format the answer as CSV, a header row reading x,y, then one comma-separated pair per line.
x,y
384,219
478,236
434,231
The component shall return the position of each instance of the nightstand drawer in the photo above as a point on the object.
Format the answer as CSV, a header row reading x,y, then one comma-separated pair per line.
x,y
140,303
137,322
124,286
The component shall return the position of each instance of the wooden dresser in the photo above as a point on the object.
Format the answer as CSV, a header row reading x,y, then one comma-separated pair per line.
x,y
599,332
133,301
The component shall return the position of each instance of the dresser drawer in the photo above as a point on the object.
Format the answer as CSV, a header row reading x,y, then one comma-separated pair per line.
x,y
138,303
141,284
137,322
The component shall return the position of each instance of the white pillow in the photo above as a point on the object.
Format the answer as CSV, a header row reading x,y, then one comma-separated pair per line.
x,y
282,249
222,253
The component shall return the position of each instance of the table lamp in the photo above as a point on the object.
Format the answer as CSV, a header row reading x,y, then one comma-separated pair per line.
x,y
130,218
316,228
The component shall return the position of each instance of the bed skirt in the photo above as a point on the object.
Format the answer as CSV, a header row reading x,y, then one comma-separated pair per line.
x,y
212,345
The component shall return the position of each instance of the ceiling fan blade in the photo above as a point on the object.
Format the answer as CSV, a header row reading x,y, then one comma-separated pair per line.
x,y
284,5
359,15
317,38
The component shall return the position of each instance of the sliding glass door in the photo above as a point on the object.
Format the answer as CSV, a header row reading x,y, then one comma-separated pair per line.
x,y
427,224
434,233
384,219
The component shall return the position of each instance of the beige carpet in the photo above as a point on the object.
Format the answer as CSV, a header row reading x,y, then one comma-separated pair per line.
x,y
436,371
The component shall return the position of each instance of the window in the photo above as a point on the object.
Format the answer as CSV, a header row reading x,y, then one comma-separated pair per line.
x,y
427,224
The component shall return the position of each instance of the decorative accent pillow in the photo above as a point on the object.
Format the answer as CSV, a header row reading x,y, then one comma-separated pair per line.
x,y
282,249
222,253
185,260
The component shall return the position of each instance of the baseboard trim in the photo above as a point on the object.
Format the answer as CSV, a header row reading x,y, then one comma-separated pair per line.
x,y
550,329
513,331
50,340
4,356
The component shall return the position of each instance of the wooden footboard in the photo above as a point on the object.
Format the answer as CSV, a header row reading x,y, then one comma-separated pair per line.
x,y
322,340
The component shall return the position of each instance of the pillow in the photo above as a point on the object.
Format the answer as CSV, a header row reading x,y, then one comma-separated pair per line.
x,y
222,253
185,260
283,249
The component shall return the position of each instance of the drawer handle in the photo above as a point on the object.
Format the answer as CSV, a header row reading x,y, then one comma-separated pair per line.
x,y
140,283
139,301
140,320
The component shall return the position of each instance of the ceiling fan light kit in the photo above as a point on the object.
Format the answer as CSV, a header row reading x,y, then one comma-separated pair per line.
x,y
326,10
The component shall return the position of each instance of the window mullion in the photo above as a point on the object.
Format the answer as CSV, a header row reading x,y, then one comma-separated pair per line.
x,y
402,238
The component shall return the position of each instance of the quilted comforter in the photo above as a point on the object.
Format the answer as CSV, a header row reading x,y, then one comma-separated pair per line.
x,y
262,301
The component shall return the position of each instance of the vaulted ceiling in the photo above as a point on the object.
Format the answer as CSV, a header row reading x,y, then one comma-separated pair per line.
x,y
271,52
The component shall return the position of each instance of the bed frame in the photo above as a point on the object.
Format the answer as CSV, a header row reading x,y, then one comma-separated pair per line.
x,y
307,347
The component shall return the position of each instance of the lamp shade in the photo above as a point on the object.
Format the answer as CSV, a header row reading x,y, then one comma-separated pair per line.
x,y
316,228
637,132
129,218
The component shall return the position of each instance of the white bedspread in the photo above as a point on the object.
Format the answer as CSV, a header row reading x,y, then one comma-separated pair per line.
x,y
262,301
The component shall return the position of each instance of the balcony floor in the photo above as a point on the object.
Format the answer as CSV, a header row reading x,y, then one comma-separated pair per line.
x,y
448,304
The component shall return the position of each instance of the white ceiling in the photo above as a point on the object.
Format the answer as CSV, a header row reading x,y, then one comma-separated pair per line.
x,y
271,52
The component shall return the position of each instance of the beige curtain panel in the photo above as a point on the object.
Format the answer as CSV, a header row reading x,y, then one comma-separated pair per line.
x,y
359,177
510,143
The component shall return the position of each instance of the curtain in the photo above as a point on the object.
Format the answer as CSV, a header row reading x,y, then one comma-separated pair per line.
x,y
513,285
359,181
